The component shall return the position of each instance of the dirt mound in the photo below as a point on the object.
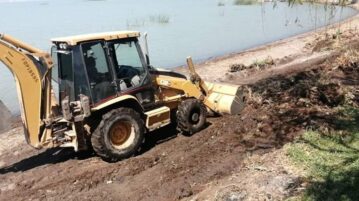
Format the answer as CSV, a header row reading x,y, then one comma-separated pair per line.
x,y
282,106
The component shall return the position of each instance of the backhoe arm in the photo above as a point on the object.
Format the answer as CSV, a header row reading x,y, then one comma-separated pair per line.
x,y
31,69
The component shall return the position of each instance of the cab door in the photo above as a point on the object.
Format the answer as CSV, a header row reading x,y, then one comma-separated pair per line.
x,y
99,73
131,73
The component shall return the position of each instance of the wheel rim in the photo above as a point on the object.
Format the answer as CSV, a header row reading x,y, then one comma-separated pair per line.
x,y
195,116
122,134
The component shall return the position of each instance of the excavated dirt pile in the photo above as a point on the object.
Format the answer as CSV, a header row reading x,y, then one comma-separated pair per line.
x,y
174,167
283,106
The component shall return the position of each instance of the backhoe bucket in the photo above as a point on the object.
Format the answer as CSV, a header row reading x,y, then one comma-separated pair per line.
x,y
220,98
224,98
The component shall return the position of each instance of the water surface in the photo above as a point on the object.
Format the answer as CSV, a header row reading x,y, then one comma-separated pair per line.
x,y
176,28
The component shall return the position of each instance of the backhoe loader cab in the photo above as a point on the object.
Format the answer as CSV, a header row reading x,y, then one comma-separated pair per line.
x,y
101,67
105,95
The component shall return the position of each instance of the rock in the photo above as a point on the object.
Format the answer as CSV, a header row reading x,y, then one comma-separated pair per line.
x,y
5,118
231,193
281,184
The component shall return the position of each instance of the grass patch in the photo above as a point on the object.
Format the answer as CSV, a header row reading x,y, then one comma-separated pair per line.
x,y
330,161
244,2
261,64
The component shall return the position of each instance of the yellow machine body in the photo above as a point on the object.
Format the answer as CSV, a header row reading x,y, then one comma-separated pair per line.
x,y
218,97
31,68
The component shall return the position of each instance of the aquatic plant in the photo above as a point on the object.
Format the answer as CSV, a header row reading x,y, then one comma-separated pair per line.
x,y
135,23
162,19
326,2
221,4
244,2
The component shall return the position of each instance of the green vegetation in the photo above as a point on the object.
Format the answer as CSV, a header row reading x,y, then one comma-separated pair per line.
x,y
161,19
261,64
339,2
290,2
220,4
244,2
331,160
135,23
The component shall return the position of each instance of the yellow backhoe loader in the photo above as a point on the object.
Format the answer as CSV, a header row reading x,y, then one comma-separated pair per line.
x,y
100,90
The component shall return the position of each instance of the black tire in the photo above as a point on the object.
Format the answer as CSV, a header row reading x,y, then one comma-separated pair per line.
x,y
191,116
119,135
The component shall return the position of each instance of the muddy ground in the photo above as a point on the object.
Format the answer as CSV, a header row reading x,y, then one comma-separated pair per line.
x,y
233,158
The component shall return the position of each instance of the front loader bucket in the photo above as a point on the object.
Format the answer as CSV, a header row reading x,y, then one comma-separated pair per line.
x,y
224,98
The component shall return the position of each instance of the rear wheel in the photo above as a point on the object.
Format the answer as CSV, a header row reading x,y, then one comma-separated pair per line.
x,y
191,116
119,135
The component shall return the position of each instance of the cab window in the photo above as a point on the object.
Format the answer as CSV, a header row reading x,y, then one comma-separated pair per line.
x,y
66,76
128,64
98,71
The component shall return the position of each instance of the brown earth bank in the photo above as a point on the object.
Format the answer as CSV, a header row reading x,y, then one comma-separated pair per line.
x,y
234,158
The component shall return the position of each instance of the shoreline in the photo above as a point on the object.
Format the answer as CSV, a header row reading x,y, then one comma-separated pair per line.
x,y
216,68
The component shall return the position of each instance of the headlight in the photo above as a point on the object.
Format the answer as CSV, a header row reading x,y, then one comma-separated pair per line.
x,y
63,46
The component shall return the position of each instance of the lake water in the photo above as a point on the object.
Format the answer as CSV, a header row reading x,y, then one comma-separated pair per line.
x,y
176,28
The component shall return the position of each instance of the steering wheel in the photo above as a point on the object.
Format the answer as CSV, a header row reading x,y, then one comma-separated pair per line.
x,y
125,71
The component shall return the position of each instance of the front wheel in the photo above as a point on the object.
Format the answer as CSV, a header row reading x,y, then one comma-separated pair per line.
x,y
119,135
191,116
